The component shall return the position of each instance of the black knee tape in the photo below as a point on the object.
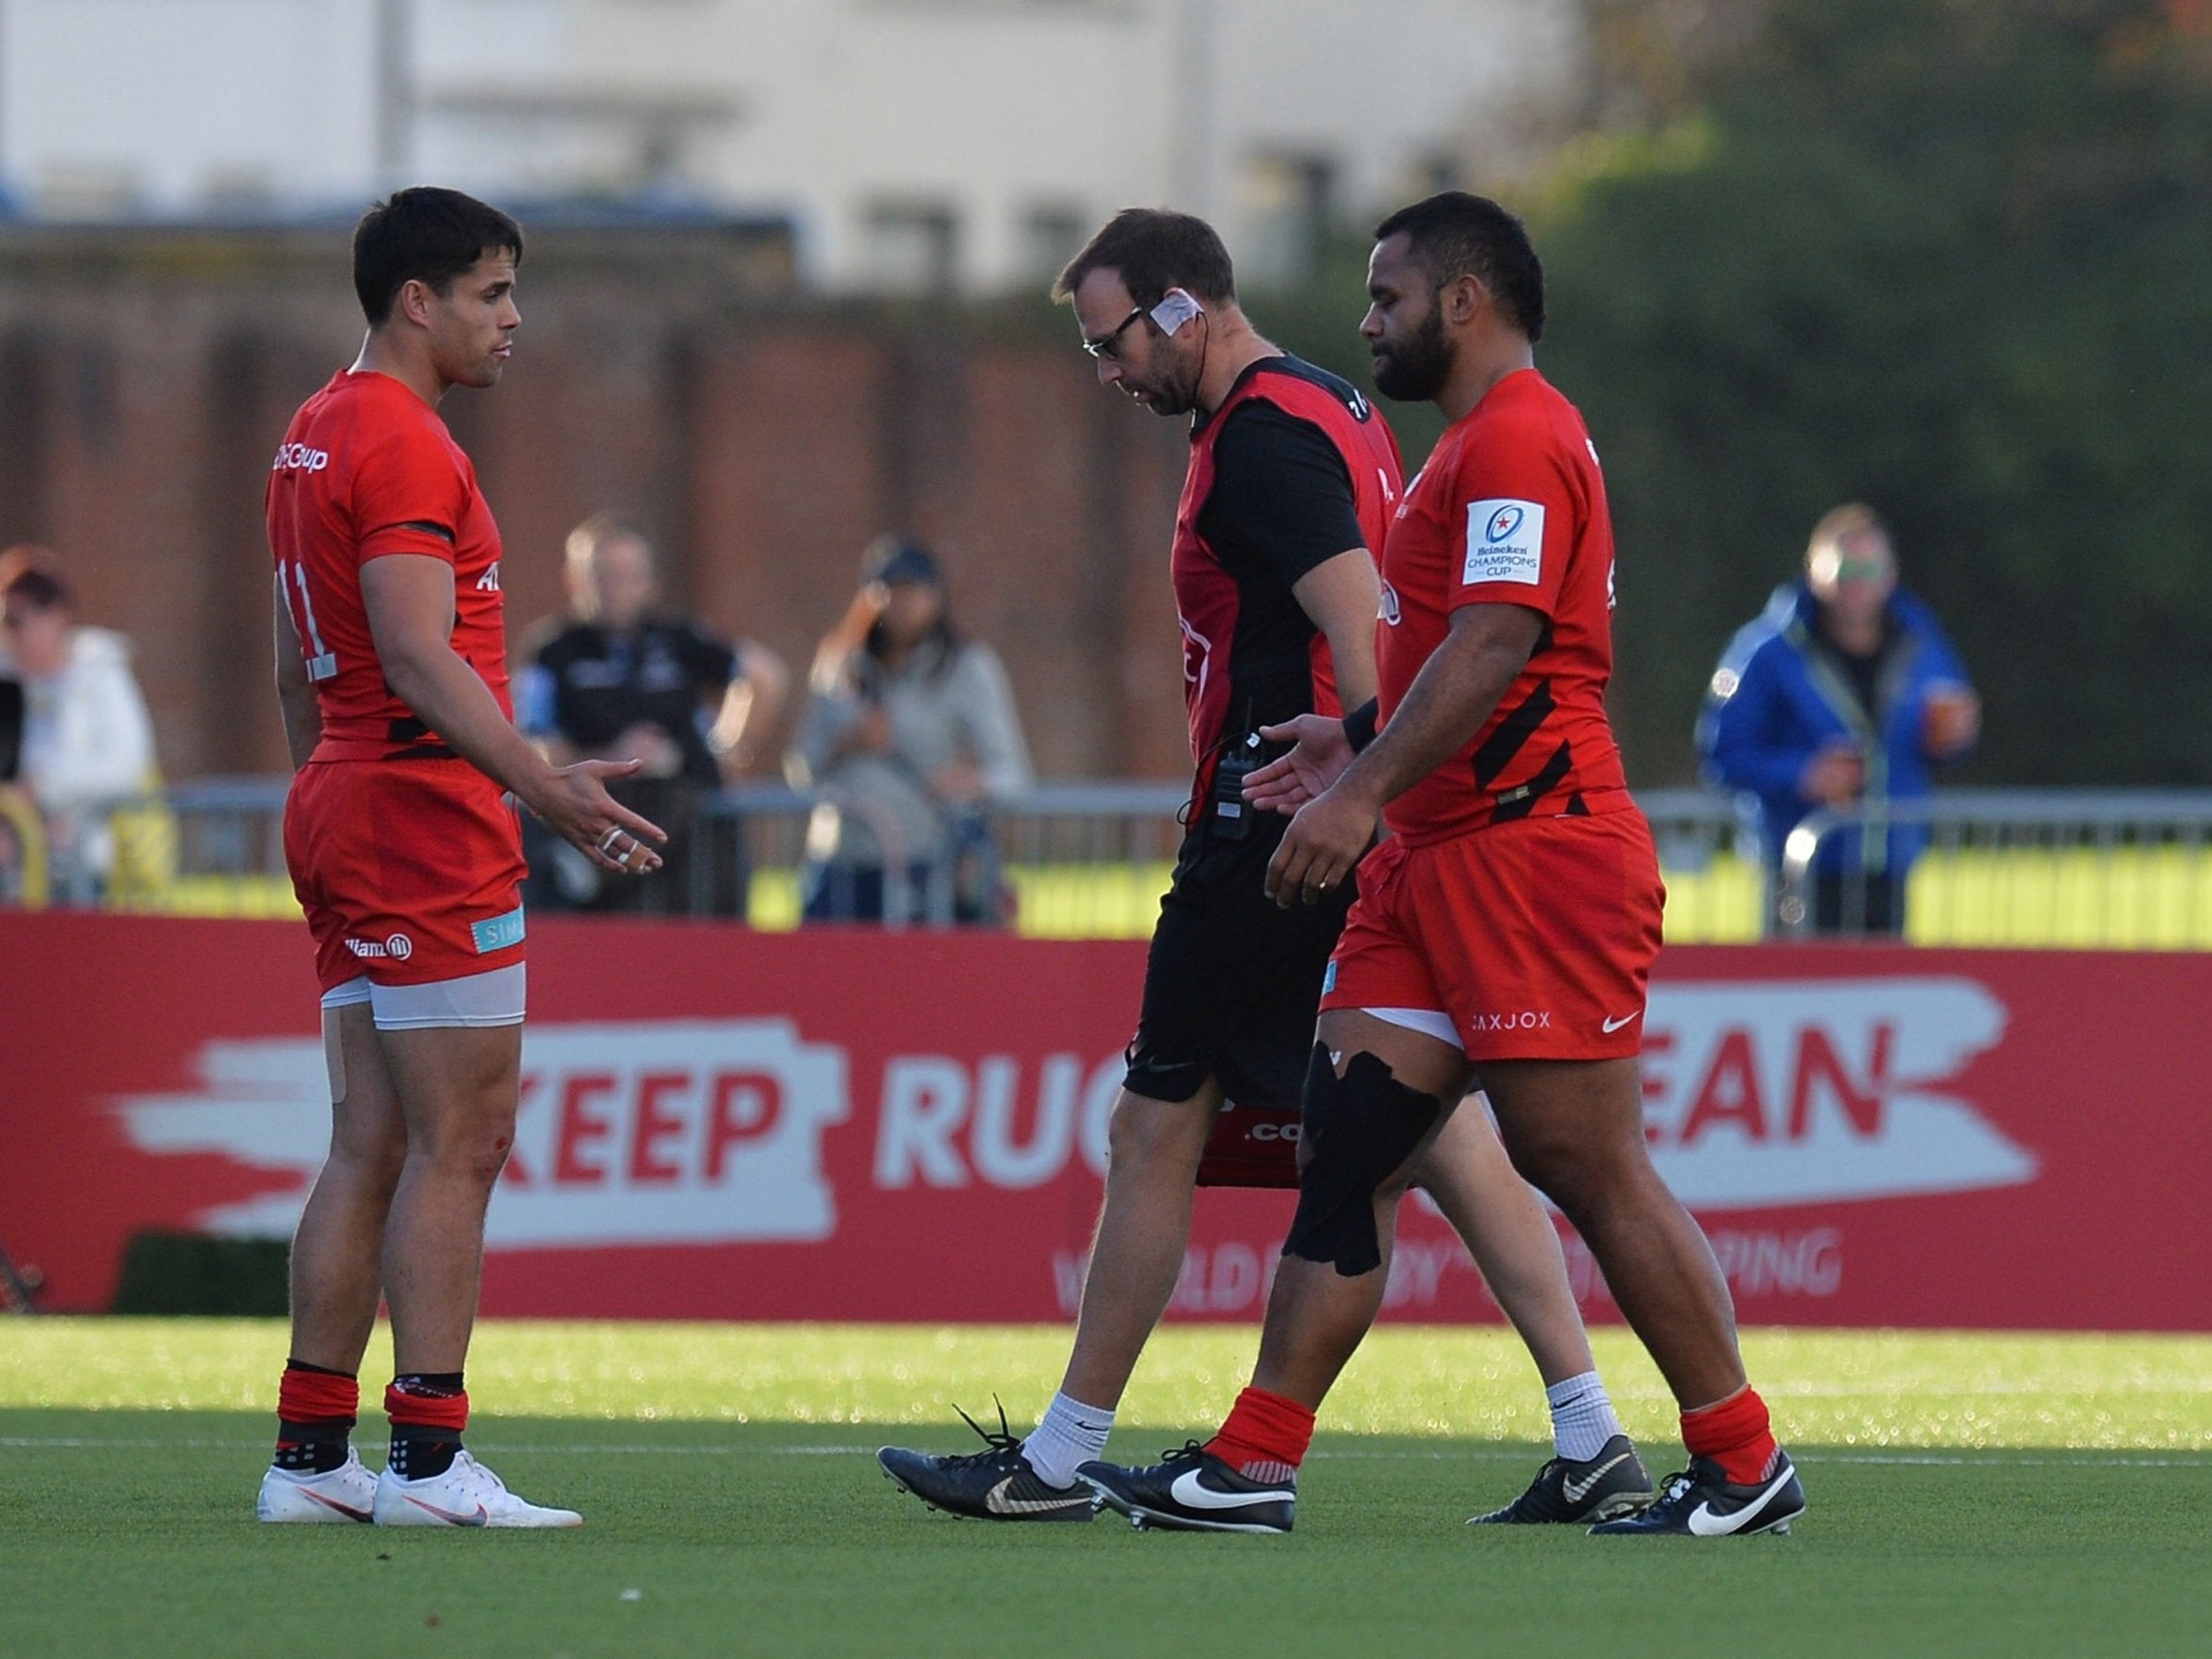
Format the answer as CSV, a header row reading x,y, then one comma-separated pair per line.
x,y
1357,1128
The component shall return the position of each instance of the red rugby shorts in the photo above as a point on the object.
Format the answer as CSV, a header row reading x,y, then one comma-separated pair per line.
x,y
1535,938
410,870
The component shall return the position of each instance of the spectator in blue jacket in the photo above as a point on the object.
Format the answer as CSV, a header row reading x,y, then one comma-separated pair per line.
x,y
1842,694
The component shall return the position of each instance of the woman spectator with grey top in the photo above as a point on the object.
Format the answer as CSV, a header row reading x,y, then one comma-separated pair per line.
x,y
909,734
83,740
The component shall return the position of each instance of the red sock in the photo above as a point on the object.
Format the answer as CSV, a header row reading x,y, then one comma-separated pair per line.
x,y
428,1410
1265,1436
1733,1433
409,1406
309,1394
315,1412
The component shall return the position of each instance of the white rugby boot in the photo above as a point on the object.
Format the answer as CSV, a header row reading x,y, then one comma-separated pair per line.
x,y
466,1494
339,1495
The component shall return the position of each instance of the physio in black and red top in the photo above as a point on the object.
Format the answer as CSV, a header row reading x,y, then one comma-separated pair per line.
x,y
1292,471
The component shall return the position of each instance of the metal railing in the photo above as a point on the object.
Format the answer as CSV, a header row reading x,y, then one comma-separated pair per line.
x,y
1090,859
2088,867
1074,860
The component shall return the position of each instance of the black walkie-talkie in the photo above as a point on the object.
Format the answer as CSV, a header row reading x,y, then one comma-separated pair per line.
x,y
1232,815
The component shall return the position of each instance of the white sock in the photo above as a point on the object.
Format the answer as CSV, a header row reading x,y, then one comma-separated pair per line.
x,y
1071,1434
1581,1417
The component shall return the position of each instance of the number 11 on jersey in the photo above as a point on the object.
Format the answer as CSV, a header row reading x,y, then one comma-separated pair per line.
x,y
321,665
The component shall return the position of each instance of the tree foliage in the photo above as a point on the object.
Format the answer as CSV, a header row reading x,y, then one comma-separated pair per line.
x,y
1953,257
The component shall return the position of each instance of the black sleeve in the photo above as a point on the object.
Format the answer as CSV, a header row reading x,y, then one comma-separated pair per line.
x,y
710,663
1281,498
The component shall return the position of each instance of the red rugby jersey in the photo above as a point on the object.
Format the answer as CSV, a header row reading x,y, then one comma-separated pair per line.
x,y
367,469
1254,658
1510,510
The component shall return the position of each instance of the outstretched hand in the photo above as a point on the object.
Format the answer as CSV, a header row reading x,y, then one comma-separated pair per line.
x,y
1320,752
580,811
1324,840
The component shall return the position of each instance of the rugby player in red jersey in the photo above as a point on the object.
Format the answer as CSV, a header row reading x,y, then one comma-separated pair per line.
x,y
1507,929
405,851
1292,479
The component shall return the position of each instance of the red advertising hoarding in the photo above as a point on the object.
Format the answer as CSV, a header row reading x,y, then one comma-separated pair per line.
x,y
858,1125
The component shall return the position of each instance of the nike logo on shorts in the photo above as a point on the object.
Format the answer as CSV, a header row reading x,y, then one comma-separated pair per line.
x,y
1612,1026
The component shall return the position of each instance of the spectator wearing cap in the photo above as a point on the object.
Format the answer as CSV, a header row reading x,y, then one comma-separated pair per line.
x,y
909,733
620,678
85,742
1845,693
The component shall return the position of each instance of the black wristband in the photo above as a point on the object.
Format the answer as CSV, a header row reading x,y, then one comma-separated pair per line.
x,y
1359,725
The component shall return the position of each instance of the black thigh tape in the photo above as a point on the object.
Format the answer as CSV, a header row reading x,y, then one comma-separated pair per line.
x,y
1357,1128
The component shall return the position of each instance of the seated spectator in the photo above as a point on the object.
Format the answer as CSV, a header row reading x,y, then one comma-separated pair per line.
x,y
14,561
85,743
619,678
1841,694
909,733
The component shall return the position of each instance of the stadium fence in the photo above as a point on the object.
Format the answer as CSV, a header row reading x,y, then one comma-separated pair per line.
x,y
1089,859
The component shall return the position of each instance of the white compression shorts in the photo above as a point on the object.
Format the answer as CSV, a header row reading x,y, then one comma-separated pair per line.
x,y
1429,1021
493,998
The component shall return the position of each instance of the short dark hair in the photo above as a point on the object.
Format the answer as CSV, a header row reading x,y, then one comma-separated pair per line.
x,y
1153,250
424,235
1455,235
39,589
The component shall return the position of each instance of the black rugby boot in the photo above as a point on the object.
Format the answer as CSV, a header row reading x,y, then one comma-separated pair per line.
x,y
993,1485
1614,1483
1194,1491
1702,1502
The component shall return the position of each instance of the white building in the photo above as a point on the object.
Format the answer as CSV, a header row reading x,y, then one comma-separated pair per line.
x,y
911,143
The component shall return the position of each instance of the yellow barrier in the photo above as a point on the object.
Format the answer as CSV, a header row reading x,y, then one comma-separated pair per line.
x,y
28,831
2151,898
2147,898
2156,898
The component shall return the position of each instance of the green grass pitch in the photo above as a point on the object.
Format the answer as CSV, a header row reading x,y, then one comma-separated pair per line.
x,y
2015,1495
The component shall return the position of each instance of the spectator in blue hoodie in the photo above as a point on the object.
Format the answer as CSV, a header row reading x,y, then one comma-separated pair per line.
x,y
1842,694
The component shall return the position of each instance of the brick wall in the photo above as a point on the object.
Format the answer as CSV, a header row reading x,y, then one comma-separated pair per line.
x,y
146,377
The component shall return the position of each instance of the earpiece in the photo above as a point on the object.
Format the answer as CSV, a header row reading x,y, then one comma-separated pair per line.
x,y
1174,308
